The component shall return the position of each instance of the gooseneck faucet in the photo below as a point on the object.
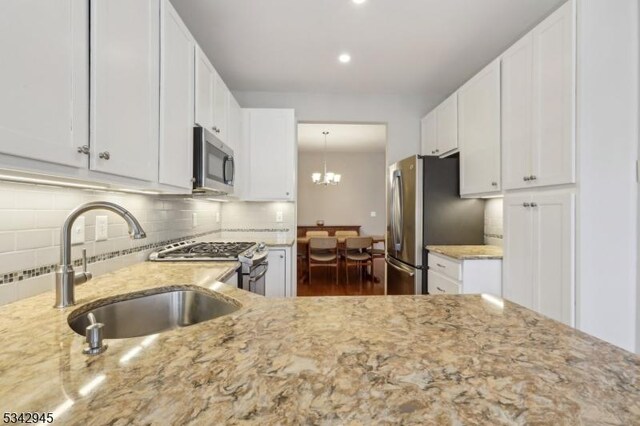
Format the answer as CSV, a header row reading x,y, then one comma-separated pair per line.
x,y
66,277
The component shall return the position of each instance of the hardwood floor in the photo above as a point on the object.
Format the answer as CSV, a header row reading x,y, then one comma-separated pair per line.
x,y
323,282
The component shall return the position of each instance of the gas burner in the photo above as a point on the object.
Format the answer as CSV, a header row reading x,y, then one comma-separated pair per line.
x,y
191,250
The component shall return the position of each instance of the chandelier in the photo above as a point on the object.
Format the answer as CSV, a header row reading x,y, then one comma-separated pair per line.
x,y
325,178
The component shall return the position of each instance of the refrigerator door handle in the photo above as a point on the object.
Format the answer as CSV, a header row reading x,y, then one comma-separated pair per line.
x,y
399,267
397,211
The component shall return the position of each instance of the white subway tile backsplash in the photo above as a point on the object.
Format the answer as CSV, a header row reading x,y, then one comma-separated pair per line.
x,y
31,217
493,222
33,239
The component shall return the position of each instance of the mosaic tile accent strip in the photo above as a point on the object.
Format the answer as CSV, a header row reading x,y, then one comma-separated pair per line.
x,y
10,277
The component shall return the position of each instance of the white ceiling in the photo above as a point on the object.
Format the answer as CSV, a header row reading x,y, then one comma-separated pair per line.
x,y
426,47
342,137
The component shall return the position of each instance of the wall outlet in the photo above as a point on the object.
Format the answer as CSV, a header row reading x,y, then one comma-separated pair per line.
x,y
194,219
102,228
279,217
77,232
374,214
217,217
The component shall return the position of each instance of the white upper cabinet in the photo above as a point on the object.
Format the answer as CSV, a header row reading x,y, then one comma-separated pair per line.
x,y
538,105
539,253
429,134
479,132
553,150
212,98
125,63
439,129
221,97
204,89
271,149
176,100
45,80
447,125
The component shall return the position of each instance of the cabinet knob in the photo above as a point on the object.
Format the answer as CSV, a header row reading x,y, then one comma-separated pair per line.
x,y
494,183
104,155
526,205
533,177
437,151
433,152
281,256
287,193
84,149
526,178
215,129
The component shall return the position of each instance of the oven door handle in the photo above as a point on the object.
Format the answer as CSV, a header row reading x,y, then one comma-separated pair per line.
x,y
261,274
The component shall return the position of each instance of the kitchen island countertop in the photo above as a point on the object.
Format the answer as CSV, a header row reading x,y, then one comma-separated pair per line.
x,y
333,360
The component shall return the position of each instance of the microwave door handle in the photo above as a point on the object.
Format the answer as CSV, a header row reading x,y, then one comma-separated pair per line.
x,y
233,169
392,225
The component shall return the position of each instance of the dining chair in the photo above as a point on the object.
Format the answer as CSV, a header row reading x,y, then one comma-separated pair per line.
x,y
356,253
347,233
317,234
376,253
323,252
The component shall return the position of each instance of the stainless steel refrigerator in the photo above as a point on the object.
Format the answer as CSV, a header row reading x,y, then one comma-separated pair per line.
x,y
425,208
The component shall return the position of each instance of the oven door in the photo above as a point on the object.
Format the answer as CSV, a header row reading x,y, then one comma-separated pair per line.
x,y
213,164
254,281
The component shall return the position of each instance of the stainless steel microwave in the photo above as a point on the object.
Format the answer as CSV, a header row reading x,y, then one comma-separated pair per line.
x,y
213,165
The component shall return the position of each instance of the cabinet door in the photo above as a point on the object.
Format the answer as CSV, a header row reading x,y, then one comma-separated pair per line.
x,y
447,125
517,283
220,107
234,140
553,274
479,132
429,140
276,278
272,153
45,80
125,64
176,100
517,104
204,90
553,149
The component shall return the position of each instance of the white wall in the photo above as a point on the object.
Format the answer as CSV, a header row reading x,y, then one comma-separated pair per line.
x,y
361,191
401,113
607,134
31,217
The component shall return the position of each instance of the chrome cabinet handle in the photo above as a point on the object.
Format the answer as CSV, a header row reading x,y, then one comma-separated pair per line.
x,y
526,178
534,204
526,205
215,129
84,149
442,266
433,152
104,155
533,177
437,151
494,183
440,289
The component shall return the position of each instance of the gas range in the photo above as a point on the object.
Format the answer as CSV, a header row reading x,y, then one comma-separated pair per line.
x,y
245,252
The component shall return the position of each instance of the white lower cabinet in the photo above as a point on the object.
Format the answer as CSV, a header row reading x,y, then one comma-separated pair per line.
x,y
539,231
278,277
447,275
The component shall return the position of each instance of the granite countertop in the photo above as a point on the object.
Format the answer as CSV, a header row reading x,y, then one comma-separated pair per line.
x,y
468,252
331,360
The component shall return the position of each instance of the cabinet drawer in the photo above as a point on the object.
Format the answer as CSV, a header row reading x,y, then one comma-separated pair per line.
x,y
439,284
445,266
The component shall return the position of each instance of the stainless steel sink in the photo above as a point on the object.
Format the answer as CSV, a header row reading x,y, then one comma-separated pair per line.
x,y
142,313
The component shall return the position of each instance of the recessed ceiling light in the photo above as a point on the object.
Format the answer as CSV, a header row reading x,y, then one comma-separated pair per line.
x,y
344,58
359,1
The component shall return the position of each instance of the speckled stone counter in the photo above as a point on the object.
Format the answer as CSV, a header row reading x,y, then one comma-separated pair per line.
x,y
341,360
468,252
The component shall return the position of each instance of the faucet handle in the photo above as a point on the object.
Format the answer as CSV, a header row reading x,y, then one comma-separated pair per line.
x,y
84,276
84,260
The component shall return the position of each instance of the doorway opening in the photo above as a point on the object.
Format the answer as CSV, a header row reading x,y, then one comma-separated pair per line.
x,y
342,170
